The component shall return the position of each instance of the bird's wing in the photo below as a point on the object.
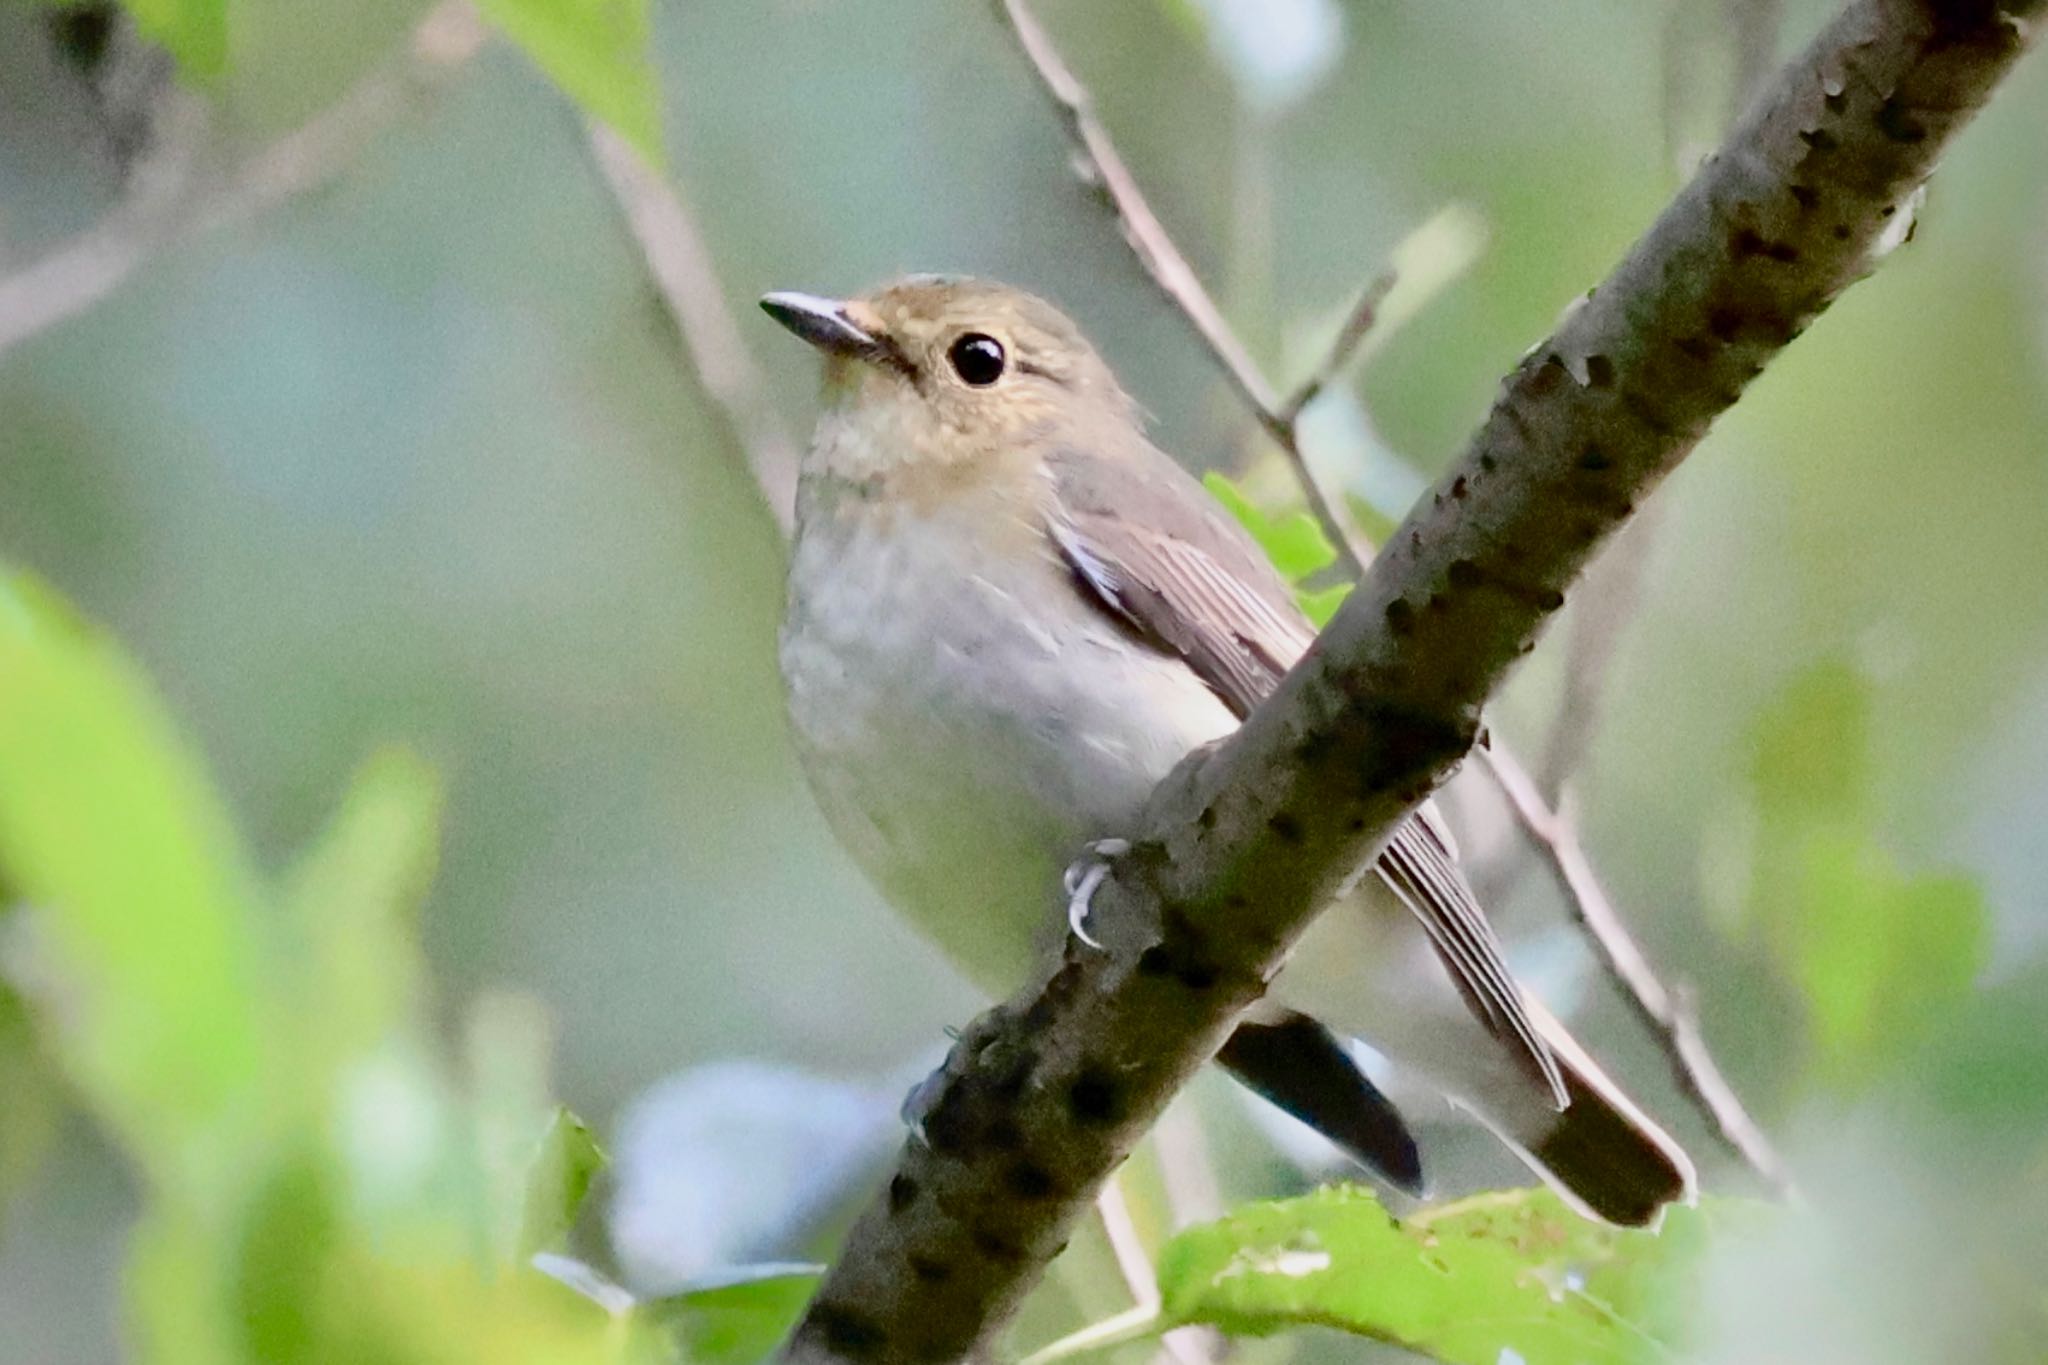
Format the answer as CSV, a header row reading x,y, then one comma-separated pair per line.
x,y
1149,545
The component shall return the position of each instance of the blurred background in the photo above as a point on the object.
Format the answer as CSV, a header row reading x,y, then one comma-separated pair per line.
x,y
413,454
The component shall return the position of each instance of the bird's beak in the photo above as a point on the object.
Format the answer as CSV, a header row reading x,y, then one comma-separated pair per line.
x,y
824,323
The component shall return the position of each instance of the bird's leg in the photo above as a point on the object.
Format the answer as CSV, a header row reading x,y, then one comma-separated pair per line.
x,y
1084,877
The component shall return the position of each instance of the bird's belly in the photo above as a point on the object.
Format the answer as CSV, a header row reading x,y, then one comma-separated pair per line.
x,y
965,735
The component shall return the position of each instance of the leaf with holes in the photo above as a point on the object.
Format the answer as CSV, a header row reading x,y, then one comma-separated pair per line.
x,y
1510,1272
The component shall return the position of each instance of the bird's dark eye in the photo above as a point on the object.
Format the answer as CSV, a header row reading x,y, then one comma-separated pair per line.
x,y
978,359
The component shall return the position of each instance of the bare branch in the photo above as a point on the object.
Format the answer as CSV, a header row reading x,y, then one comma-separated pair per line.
x,y
682,268
1241,846
1357,324
1156,251
168,200
1668,1013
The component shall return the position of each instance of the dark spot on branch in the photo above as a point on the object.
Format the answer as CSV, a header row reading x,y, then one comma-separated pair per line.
x,y
1748,242
1820,139
1095,1097
1411,744
1696,348
1599,372
1806,196
1197,974
930,1269
1029,1180
1888,210
1836,102
1206,818
1594,460
1549,599
1315,746
1458,487
1286,828
1465,575
945,1125
1155,961
1639,408
902,1193
1841,231
1009,1083
997,1247
1400,616
847,1331
1486,462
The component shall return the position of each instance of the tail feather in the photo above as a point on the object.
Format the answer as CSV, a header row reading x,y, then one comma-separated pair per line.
x,y
1300,1066
1600,1151
1611,1159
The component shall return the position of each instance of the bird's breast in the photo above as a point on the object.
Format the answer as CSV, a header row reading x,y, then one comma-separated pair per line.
x,y
968,719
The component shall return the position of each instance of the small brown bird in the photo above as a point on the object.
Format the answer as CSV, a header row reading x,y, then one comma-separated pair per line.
x,y
1010,615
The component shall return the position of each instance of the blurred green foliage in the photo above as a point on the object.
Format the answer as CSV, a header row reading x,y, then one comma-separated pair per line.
x,y
596,50
1879,956
315,1184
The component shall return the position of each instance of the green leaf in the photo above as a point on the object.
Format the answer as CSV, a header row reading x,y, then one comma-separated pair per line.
x,y
1319,605
597,52
28,1113
1810,748
1879,957
1295,543
1515,1271
352,900
193,31
143,956
738,1315
560,1180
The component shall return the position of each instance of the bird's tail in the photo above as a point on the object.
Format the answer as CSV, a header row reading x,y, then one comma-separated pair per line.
x,y
1601,1152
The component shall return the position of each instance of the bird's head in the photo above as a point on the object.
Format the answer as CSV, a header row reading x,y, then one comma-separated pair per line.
x,y
938,370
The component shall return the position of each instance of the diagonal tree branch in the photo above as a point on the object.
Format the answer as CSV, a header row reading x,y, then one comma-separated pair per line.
x,y
1556,838
1042,1097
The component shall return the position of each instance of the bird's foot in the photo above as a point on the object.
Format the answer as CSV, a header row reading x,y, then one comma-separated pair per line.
x,y
1084,877
926,1097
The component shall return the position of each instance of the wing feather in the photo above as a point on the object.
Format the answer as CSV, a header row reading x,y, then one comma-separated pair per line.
x,y
1180,573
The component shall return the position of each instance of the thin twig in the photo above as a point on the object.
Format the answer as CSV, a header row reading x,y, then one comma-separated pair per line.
x,y
1357,325
682,267
1668,1012
1168,268
1184,1346
1677,1035
169,200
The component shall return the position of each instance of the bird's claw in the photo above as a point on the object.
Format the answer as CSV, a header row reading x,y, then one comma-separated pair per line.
x,y
919,1103
1084,877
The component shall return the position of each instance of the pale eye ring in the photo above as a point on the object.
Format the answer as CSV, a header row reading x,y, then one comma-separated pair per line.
x,y
977,358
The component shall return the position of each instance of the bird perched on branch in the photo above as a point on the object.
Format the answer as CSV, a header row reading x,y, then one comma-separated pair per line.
x,y
1010,615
